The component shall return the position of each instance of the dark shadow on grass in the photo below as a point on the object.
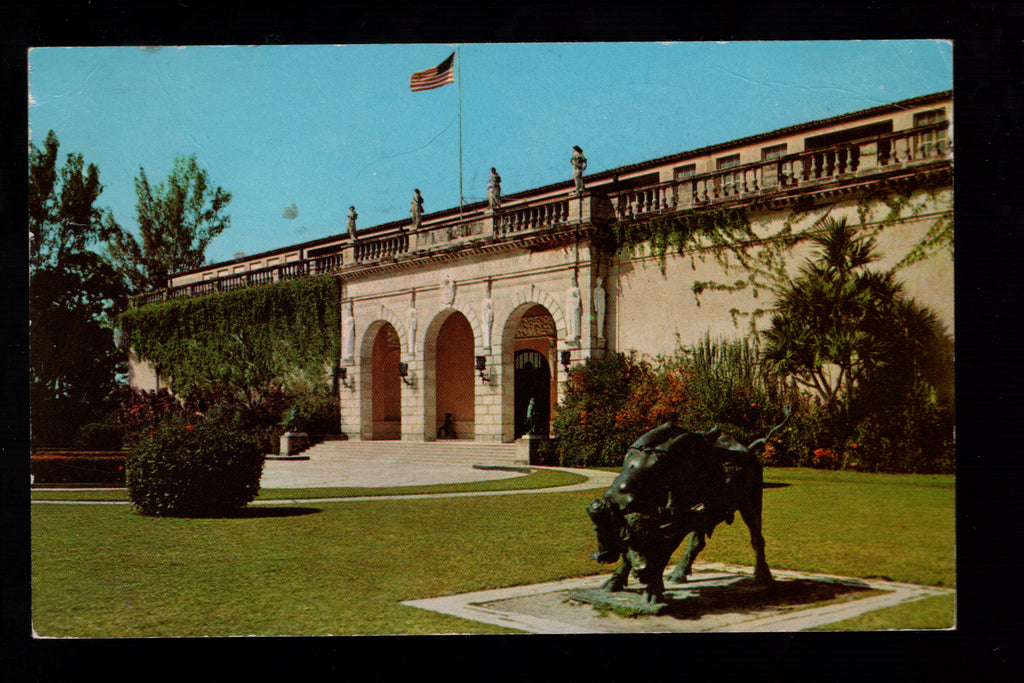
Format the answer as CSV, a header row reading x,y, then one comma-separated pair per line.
x,y
774,485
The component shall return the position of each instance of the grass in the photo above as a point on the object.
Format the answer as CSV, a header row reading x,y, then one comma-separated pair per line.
x,y
931,613
343,568
538,479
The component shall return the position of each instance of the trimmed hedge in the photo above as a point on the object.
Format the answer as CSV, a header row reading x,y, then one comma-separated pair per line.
x,y
178,469
79,467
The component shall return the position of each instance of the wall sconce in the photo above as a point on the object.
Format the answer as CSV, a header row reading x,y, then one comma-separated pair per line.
x,y
343,376
403,372
566,360
481,366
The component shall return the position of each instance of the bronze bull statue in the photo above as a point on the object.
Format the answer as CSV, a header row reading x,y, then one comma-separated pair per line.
x,y
675,482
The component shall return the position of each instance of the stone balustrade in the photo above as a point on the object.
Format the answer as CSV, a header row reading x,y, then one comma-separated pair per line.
x,y
374,249
808,169
516,219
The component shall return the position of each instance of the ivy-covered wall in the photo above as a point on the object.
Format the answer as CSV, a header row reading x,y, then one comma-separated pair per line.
x,y
717,271
291,326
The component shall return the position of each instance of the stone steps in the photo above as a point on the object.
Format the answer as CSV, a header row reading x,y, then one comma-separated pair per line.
x,y
440,452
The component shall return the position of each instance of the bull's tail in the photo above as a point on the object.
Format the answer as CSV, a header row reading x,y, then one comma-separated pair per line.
x,y
764,440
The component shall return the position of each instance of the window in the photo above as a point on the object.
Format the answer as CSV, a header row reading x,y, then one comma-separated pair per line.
x,y
685,171
927,118
728,184
929,143
773,152
730,161
770,172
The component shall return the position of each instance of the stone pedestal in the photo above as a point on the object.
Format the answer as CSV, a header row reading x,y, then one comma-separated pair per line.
x,y
527,448
294,442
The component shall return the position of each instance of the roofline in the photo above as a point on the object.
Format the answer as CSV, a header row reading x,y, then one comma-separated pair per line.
x,y
609,174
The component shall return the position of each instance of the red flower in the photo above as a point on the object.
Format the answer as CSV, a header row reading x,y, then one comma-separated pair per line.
x,y
188,427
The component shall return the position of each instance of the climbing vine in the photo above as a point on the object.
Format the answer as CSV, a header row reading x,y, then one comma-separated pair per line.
x,y
288,328
717,228
726,235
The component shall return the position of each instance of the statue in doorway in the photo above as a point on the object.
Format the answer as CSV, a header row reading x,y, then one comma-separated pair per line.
x,y
599,306
579,164
447,430
530,425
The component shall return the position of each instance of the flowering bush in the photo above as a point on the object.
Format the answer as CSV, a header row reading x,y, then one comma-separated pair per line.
x,y
824,458
177,468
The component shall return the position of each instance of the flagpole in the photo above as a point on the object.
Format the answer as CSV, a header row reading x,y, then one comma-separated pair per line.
x,y
458,62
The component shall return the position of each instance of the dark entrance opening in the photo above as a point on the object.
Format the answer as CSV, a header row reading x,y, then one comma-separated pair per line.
x,y
532,380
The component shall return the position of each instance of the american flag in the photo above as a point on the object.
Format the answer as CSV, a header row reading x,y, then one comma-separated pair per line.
x,y
440,75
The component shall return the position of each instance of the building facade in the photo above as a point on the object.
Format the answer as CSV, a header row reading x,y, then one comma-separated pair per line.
x,y
457,324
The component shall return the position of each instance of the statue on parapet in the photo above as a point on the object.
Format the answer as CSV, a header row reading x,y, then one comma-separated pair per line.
x,y
416,209
352,216
494,190
579,164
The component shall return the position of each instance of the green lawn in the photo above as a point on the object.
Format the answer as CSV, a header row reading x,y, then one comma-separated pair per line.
x,y
343,568
537,479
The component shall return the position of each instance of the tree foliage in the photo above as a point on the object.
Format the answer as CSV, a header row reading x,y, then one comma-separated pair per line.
x,y
177,220
841,328
74,294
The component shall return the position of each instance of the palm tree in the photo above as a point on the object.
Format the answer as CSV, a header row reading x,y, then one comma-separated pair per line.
x,y
840,328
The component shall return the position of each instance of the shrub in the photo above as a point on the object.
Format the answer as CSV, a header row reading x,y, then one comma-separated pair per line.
x,y
99,436
179,469
585,418
610,402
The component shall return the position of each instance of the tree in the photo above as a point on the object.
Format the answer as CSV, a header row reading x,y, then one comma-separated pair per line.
x,y
841,329
177,220
74,295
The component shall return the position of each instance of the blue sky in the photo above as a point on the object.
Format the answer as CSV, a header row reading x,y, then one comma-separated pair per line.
x,y
323,127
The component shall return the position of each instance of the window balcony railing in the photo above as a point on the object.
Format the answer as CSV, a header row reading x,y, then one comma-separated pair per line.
x,y
848,161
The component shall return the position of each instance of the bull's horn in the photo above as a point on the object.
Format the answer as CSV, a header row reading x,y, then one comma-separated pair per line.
x,y
762,441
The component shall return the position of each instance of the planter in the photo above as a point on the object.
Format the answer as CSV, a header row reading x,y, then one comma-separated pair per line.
x,y
293,443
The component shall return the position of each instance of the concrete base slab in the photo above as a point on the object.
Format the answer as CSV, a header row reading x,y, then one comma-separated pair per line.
x,y
716,598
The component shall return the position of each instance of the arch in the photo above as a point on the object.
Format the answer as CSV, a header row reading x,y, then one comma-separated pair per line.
x,y
380,409
450,343
545,343
531,294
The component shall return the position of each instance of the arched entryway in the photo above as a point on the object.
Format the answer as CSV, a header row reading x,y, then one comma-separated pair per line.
x,y
451,393
529,339
385,386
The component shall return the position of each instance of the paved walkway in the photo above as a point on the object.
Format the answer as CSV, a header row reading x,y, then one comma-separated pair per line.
x,y
330,472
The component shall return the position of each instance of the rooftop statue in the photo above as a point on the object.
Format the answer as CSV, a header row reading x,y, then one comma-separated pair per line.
x,y
352,216
416,209
494,190
579,164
